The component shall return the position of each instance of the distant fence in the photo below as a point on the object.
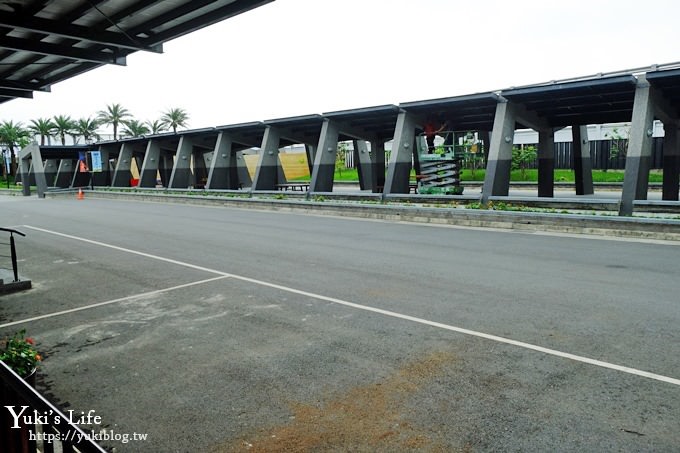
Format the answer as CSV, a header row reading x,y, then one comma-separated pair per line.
x,y
600,152
601,155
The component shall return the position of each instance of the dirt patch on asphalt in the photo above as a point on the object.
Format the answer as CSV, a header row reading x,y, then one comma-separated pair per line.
x,y
373,417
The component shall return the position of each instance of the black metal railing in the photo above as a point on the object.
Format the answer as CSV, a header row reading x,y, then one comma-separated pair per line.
x,y
13,250
50,429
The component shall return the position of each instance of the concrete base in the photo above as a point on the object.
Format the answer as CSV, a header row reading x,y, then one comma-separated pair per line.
x,y
8,285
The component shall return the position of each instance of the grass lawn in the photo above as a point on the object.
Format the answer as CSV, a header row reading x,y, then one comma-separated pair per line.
x,y
3,183
350,174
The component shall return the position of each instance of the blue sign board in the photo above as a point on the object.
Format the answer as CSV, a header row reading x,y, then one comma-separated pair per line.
x,y
96,161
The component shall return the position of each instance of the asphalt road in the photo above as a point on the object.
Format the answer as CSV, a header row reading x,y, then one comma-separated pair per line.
x,y
241,330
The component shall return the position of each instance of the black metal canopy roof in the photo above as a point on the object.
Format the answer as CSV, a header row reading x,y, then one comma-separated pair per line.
x,y
45,42
65,152
470,112
247,134
367,122
668,82
591,101
298,129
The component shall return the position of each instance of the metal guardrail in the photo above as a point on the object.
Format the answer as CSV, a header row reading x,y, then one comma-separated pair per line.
x,y
51,429
13,250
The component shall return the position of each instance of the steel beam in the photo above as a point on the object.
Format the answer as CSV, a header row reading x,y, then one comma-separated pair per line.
x,y
181,171
323,171
636,176
267,172
583,166
399,167
499,163
149,172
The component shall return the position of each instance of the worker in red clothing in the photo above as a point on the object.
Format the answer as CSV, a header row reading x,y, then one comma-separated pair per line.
x,y
431,131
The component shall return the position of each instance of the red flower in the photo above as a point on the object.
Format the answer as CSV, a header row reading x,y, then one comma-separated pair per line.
x,y
29,340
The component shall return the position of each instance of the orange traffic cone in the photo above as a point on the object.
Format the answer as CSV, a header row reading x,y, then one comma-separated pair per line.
x,y
81,195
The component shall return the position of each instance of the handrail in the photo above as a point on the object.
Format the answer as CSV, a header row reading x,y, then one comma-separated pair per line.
x,y
9,230
63,431
13,251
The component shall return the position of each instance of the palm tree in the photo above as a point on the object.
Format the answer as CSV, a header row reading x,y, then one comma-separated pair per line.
x,y
63,124
12,135
114,115
134,128
155,126
44,127
174,118
87,128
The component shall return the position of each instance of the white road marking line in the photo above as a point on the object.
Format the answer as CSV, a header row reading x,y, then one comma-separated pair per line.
x,y
474,333
135,252
389,313
114,301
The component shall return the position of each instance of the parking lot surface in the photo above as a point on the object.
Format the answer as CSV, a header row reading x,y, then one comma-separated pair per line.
x,y
219,329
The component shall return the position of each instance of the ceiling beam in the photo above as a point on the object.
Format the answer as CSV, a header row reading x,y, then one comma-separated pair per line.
x,y
49,49
7,93
217,15
77,32
20,86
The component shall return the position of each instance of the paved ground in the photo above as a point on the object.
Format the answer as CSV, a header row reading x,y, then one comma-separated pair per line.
x,y
238,330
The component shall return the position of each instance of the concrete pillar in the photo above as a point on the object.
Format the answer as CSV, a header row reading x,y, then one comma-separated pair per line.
x,y
181,171
378,161
485,137
636,176
671,161
64,173
24,168
223,170
363,161
310,150
165,166
149,171
266,174
546,163
323,171
32,152
244,179
399,167
122,174
31,175
583,166
51,166
499,163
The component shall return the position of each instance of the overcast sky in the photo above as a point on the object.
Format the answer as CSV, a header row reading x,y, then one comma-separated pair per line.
x,y
297,57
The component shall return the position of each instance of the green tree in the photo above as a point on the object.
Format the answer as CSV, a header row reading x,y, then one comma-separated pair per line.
x,y
340,158
522,157
13,135
63,125
44,127
87,128
134,128
174,118
155,126
618,147
114,114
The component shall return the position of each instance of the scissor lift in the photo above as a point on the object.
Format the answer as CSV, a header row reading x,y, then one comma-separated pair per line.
x,y
440,170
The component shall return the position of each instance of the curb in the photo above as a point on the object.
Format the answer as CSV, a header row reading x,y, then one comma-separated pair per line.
x,y
656,229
